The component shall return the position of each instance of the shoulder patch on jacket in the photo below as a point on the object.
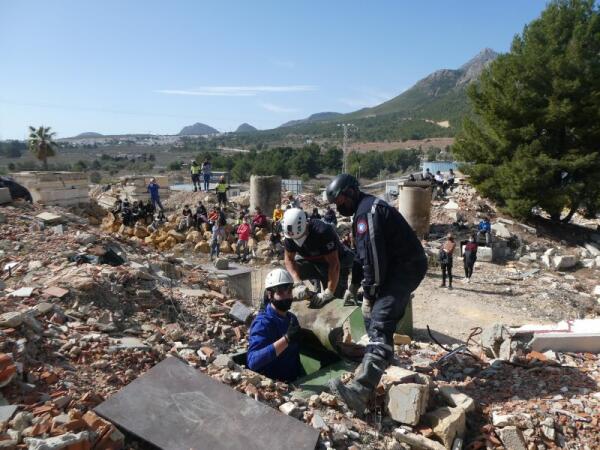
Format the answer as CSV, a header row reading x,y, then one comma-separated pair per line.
x,y
361,226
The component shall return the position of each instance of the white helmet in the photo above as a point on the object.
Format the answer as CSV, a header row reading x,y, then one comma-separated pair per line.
x,y
294,225
278,277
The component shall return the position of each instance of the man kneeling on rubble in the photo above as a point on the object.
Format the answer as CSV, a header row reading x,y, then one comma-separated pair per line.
x,y
273,342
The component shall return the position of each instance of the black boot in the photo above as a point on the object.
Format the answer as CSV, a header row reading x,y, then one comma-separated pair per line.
x,y
357,393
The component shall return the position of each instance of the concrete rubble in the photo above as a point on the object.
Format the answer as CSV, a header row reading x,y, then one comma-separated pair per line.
x,y
85,330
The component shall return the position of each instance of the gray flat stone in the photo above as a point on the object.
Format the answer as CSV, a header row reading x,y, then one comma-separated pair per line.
x,y
6,412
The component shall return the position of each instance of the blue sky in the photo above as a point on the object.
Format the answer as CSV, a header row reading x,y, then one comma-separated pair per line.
x,y
154,66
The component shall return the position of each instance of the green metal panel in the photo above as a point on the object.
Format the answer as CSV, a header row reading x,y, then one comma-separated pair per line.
x,y
317,382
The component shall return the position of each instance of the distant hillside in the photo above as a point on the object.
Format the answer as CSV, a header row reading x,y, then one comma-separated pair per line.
x,y
89,134
197,129
439,96
245,128
318,117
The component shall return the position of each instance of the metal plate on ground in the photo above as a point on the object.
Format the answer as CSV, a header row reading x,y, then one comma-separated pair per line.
x,y
176,407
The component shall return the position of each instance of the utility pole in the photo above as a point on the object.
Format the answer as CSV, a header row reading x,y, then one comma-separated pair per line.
x,y
346,127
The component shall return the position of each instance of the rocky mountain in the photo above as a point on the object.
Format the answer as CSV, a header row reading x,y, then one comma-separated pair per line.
x,y
245,128
439,96
317,117
197,129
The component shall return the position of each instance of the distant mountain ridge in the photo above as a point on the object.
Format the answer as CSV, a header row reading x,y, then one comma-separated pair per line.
x,y
245,128
197,129
317,117
88,134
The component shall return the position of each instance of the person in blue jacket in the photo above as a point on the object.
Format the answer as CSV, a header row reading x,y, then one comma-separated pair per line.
x,y
153,188
273,348
485,228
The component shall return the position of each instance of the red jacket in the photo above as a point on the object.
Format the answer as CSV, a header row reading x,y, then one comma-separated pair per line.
x,y
243,232
260,220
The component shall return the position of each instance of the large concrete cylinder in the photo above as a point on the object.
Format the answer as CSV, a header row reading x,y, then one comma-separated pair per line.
x,y
414,203
265,192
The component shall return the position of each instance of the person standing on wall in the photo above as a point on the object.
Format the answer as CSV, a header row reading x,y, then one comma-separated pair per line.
x,y
206,173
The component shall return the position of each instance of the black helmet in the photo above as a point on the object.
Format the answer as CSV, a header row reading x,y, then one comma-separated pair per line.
x,y
339,184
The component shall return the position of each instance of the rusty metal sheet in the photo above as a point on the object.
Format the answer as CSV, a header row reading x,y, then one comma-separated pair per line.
x,y
176,407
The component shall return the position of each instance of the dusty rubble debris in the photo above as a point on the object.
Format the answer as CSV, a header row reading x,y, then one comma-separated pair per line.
x,y
74,334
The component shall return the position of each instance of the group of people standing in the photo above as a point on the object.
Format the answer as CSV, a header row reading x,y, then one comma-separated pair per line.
x,y
446,258
199,173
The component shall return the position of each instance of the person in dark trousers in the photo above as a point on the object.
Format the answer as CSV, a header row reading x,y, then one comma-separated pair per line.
x,y
393,264
313,251
206,173
445,258
469,258
150,210
117,207
315,214
200,216
195,173
221,190
273,348
330,216
126,216
153,188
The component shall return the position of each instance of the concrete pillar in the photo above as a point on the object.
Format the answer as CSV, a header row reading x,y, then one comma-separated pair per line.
x,y
414,203
265,192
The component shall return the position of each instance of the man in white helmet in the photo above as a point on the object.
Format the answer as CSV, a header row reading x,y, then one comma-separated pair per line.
x,y
313,251
273,348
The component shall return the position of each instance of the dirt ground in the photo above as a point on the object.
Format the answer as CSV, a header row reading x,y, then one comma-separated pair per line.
x,y
451,314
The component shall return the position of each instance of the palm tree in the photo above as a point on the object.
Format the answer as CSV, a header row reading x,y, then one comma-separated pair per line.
x,y
41,143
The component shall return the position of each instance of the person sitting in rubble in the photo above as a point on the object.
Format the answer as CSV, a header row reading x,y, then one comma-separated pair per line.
x,y
118,207
449,182
158,222
187,220
485,228
259,220
275,245
150,209
315,214
137,213
411,177
293,202
213,216
329,216
201,216
277,214
126,217
428,175
243,233
273,348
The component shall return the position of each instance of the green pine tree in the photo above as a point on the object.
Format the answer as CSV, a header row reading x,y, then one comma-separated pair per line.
x,y
535,137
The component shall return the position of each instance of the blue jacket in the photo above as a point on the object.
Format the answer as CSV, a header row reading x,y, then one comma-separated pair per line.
x,y
267,328
485,226
153,189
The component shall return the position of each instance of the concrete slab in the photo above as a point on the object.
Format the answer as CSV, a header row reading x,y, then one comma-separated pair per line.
x,y
174,406
22,292
239,280
55,291
49,218
5,196
567,342
6,412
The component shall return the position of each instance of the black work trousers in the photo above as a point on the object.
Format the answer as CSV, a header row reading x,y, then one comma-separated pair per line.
x,y
468,268
447,272
318,270
389,306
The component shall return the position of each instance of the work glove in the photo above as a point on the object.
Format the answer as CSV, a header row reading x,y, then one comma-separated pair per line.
x,y
350,294
321,299
299,291
293,332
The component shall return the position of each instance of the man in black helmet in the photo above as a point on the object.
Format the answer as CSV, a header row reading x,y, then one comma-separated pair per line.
x,y
393,264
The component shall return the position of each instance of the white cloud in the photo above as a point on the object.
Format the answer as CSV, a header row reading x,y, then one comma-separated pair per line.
x,y
276,108
236,91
